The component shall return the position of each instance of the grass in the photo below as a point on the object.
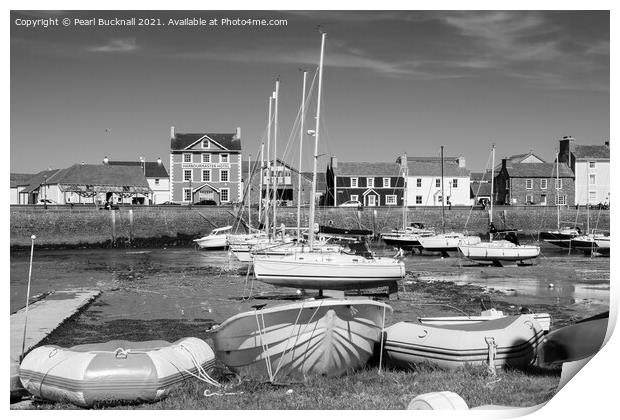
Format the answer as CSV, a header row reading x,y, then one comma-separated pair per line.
x,y
362,390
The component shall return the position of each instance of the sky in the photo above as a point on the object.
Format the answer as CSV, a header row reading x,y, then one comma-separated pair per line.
x,y
394,82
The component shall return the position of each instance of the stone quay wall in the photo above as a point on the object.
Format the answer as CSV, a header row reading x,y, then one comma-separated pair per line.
x,y
144,226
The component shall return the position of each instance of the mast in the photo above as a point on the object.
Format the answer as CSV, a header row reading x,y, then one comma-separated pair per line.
x,y
267,193
443,198
260,188
406,178
316,144
275,156
249,195
557,183
492,191
301,142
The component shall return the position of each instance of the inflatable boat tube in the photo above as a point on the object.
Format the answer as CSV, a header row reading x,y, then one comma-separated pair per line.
x,y
114,372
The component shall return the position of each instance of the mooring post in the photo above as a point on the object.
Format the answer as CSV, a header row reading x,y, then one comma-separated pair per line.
x,y
113,215
130,225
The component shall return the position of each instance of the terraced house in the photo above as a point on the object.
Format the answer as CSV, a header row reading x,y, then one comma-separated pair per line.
x,y
205,167
370,183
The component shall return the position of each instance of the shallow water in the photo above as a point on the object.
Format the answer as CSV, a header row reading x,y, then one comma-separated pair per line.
x,y
186,283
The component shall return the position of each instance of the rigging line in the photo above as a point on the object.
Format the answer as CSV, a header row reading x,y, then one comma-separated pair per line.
x,y
478,191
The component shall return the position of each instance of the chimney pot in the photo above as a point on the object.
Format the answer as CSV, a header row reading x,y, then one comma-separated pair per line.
x,y
238,133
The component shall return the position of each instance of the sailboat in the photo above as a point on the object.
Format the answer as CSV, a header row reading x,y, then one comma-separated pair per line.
x,y
445,242
408,237
326,270
217,239
312,337
496,251
562,235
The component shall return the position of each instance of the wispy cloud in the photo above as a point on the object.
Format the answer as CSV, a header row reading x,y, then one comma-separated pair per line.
x,y
116,45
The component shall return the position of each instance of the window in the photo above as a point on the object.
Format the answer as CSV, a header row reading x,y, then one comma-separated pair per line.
x,y
418,183
390,200
438,182
543,199
206,175
558,184
507,184
439,199
224,194
187,194
187,158
386,182
370,182
592,197
418,199
543,184
529,199
353,182
455,183
156,181
187,175
223,175
592,179
529,184
560,200
206,158
354,197
206,144
592,165
224,158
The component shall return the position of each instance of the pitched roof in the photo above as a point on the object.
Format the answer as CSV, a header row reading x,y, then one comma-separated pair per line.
x,y
20,179
108,175
428,167
591,152
480,190
153,169
255,164
35,182
321,180
367,169
228,141
538,170
480,176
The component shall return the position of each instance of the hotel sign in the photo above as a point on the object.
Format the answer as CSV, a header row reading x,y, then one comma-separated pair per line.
x,y
205,165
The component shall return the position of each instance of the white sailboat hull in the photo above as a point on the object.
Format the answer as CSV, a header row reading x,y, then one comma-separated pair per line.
x,y
318,337
447,242
331,271
499,251
212,242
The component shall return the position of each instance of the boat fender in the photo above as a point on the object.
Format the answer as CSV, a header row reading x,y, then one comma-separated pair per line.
x,y
444,400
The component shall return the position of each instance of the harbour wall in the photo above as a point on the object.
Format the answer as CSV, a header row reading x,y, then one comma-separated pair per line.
x,y
144,226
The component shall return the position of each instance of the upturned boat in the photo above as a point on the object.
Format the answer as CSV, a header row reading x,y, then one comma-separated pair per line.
x,y
509,341
312,337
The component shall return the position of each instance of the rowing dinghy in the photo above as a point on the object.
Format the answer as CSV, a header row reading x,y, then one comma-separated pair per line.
x,y
312,337
508,341
113,372
543,318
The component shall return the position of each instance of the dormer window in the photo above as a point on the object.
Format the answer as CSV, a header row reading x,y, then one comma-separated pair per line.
x,y
206,144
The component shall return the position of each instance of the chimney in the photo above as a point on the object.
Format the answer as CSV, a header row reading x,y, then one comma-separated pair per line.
x,y
172,133
504,160
333,162
567,144
461,161
607,143
238,133
106,160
